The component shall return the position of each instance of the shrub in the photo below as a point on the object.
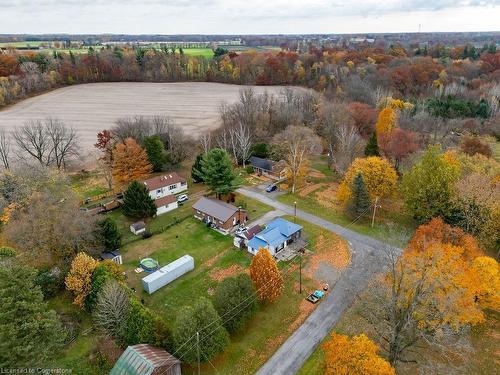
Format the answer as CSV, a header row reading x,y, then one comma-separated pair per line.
x,y
235,301
473,145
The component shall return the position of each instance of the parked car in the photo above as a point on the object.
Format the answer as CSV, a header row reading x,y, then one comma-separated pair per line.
x,y
271,188
182,198
315,297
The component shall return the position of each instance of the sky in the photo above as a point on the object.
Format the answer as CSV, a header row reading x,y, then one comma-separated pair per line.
x,y
246,17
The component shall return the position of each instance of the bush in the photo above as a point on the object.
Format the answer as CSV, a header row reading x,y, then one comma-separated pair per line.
x,y
140,324
105,271
7,252
249,169
235,301
473,145
50,281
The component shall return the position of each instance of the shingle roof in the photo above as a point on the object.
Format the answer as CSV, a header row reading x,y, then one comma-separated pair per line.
x,y
138,225
143,359
261,163
218,209
163,201
166,179
250,233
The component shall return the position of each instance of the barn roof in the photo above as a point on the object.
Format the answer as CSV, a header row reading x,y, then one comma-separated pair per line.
x,y
143,359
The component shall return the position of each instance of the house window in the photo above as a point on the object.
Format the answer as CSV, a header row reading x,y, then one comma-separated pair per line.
x,y
183,183
172,187
158,191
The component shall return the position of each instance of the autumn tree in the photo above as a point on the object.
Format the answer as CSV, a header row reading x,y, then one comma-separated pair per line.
x,y
378,175
130,162
30,333
386,122
137,202
105,144
487,273
79,278
218,172
201,319
473,145
399,144
105,271
364,117
266,276
300,143
428,186
356,355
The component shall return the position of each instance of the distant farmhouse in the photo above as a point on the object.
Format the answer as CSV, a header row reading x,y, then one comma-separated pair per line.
x,y
220,215
163,190
279,234
269,168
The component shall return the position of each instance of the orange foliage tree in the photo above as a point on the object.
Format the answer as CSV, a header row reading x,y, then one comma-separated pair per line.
x,y
266,276
79,278
487,274
356,355
378,174
437,231
130,162
386,122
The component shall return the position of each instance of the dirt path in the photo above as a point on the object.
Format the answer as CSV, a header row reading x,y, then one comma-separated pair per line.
x,y
92,107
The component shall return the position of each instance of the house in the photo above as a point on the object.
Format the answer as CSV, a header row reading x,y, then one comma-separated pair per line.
x,y
165,204
114,255
167,184
144,359
220,215
138,228
162,189
241,238
268,168
279,233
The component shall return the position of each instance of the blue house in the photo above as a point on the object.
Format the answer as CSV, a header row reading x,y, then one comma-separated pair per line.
x,y
278,234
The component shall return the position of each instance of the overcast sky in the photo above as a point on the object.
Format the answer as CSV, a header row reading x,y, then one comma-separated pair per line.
x,y
246,17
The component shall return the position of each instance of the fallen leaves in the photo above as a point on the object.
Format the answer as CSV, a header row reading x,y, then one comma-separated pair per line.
x,y
219,274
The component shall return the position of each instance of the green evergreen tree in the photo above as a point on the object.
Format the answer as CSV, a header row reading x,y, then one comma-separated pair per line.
x,y
136,201
218,172
360,200
428,186
371,148
156,152
30,333
197,169
201,318
109,234
231,293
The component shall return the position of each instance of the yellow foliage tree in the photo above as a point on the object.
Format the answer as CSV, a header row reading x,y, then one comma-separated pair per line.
x,y
266,276
79,278
357,355
130,162
386,121
487,274
378,174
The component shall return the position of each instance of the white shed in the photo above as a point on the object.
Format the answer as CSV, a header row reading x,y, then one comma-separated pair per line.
x,y
168,273
138,228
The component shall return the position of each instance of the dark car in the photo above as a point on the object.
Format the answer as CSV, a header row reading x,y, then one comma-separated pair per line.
x,y
271,188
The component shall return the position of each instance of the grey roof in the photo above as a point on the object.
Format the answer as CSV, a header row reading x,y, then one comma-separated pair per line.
x,y
138,225
261,163
218,209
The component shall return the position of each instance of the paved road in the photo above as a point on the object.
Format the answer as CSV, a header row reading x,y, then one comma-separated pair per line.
x,y
367,259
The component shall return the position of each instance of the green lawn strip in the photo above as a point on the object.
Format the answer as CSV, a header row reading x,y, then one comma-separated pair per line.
x,y
381,231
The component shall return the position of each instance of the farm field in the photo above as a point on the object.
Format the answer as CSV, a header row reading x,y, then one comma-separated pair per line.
x,y
89,108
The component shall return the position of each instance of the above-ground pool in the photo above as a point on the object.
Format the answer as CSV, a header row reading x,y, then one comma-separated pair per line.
x,y
149,264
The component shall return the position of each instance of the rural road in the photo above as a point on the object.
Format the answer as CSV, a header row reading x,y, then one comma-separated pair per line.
x,y
367,259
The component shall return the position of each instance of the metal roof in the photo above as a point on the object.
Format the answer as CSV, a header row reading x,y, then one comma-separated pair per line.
x,y
277,232
143,359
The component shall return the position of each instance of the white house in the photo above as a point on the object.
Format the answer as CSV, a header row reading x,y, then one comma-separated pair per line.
x,y
163,190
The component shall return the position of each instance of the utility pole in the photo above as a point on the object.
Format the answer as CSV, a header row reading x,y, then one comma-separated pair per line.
x,y
294,212
375,206
198,349
300,274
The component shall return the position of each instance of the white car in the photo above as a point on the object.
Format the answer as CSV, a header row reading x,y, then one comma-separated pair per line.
x,y
182,198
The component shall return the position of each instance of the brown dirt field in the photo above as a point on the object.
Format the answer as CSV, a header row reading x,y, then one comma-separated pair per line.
x,y
92,107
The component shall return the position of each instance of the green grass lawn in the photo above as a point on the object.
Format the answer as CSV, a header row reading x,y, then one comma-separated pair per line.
x,y
204,52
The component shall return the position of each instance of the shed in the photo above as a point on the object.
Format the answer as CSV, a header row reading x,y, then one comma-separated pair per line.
x,y
138,228
168,273
114,255
144,359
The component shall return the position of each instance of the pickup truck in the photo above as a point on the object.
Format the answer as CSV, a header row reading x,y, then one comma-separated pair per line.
x,y
315,296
